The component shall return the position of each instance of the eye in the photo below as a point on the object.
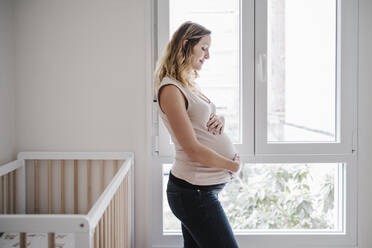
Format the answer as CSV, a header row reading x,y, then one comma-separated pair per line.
x,y
203,48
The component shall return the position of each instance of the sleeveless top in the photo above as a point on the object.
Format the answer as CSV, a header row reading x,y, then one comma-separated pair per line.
x,y
199,110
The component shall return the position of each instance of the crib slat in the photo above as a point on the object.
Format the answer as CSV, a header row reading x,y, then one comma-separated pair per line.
x,y
51,240
109,226
115,225
89,182
102,175
9,177
96,237
3,186
63,186
36,187
98,234
101,233
126,210
22,240
11,192
15,187
76,188
116,220
119,218
129,204
121,215
105,229
116,165
50,190
112,222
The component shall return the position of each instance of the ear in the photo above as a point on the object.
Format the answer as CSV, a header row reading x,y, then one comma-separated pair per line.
x,y
184,43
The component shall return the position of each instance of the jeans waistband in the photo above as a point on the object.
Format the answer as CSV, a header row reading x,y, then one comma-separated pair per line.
x,y
184,184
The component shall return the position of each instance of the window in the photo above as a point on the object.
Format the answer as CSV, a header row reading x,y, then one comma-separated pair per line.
x,y
283,73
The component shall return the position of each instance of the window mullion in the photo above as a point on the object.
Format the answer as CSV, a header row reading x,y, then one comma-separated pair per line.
x,y
247,76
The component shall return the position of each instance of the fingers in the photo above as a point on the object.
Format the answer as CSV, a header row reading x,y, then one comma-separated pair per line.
x,y
236,157
222,129
212,124
212,120
219,128
216,127
215,124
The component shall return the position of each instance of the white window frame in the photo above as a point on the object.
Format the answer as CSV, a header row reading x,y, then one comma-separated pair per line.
x,y
346,65
254,151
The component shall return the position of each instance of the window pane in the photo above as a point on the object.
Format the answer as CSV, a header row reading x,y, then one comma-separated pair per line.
x,y
170,223
301,85
284,196
298,197
219,77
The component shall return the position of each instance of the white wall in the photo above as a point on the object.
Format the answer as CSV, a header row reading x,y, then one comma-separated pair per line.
x,y
365,125
7,130
80,81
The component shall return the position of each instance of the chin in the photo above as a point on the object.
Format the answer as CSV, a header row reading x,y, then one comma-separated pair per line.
x,y
198,68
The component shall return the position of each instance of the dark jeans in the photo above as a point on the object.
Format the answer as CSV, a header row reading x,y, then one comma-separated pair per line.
x,y
204,223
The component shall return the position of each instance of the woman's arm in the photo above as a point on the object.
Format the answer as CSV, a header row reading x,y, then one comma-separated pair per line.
x,y
173,104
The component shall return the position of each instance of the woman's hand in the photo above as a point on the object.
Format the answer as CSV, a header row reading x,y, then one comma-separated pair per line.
x,y
216,124
236,159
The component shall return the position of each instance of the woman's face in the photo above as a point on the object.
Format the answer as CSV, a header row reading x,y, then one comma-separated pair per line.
x,y
200,52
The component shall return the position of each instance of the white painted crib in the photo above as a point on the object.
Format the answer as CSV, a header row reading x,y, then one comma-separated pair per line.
x,y
67,199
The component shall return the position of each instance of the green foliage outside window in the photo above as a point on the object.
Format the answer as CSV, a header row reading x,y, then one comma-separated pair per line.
x,y
281,197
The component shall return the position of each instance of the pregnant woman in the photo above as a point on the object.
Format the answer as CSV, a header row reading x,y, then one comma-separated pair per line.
x,y
205,158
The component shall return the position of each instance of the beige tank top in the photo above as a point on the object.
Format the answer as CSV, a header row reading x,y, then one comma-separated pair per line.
x,y
199,110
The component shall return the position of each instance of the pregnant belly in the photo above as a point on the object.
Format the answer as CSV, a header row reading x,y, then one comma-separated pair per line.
x,y
220,143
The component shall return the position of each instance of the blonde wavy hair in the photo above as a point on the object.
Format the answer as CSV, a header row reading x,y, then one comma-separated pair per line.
x,y
175,63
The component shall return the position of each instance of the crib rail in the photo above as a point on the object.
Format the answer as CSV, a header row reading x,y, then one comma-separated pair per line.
x,y
44,223
12,187
110,219
10,167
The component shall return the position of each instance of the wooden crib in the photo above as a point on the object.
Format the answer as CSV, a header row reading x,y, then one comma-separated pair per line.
x,y
84,196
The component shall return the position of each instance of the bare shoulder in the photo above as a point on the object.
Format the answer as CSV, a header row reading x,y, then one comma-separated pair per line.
x,y
171,97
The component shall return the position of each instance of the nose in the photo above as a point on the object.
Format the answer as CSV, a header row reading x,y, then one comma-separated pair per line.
x,y
206,56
